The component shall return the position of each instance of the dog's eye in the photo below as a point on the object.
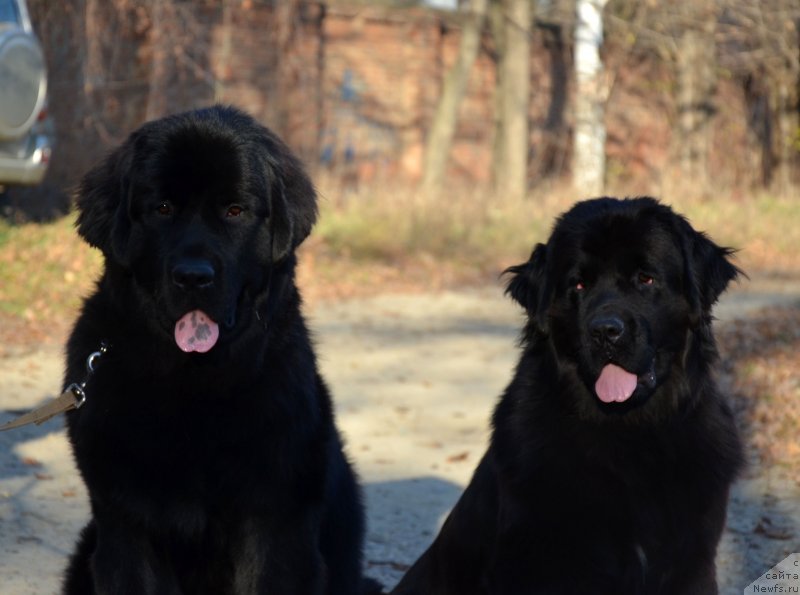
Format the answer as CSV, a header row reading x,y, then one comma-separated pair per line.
x,y
580,286
164,209
645,279
234,211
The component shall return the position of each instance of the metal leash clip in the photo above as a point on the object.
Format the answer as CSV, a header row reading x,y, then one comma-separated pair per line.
x,y
74,397
91,362
80,394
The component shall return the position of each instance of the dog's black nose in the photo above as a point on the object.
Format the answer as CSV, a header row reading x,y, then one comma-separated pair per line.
x,y
193,274
607,328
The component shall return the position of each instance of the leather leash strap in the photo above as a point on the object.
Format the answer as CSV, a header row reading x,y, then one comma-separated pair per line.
x,y
72,398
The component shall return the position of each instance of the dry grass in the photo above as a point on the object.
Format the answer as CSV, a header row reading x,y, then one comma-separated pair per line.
x,y
44,269
460,225
764,228
376,240
468,228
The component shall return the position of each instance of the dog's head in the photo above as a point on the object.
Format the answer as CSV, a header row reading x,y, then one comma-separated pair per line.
x,y
196,210
617,291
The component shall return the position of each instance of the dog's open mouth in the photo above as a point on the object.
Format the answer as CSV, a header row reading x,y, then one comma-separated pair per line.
x,y
617,385
196,331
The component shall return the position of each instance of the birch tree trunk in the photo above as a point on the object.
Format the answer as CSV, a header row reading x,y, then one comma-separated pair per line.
x,y
443,126
511,173
589,158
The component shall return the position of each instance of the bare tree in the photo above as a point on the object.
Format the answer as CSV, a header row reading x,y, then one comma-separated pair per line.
x,y
760,42
440,136
161,35
180,46
497,24
756,45
225,53
697,83
589,162
512,144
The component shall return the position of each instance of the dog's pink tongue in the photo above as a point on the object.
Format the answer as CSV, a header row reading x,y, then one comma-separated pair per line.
x,y
195,331
615,384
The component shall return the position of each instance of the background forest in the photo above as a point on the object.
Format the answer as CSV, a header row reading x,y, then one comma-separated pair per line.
x,y
702,94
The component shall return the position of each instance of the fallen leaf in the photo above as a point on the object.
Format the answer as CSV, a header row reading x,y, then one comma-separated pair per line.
x,y
431,444
457,458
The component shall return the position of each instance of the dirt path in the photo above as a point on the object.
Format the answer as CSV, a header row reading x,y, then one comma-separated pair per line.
x,y
415,378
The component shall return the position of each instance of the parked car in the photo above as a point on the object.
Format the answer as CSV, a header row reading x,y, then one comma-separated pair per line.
x,y
25,130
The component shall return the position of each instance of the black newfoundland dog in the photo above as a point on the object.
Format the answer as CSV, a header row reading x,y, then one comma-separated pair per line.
x,y
612,452
207,440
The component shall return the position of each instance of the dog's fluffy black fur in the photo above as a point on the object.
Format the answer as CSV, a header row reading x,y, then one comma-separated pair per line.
x,y
578,494
218,472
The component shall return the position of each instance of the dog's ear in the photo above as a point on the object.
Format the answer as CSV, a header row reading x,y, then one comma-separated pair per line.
x,y
529,287
293,199
102,199
707,271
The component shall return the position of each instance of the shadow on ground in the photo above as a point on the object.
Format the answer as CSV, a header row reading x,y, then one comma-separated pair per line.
x,y
404,517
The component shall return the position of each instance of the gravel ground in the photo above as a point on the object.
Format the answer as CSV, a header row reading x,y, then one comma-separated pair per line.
x,y
415,378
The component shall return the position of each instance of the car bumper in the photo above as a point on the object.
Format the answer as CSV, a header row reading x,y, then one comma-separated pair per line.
x,y
25,165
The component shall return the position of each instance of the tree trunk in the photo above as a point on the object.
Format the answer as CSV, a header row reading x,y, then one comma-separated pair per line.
x,y
759,128
550,162
443,126
161,67
511,175
589,159
497,24
224,61
787,125
696,87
